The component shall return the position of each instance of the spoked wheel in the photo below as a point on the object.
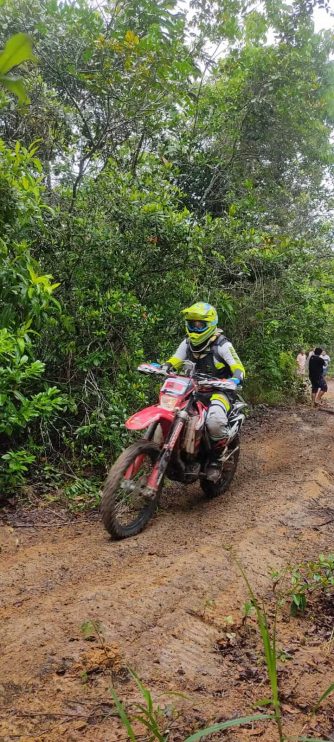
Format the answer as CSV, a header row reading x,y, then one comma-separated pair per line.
x,y
126,506
211,489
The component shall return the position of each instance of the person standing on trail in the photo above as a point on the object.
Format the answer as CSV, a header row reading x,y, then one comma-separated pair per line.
x,y
327,360
307,360
301,361
316,375
213,355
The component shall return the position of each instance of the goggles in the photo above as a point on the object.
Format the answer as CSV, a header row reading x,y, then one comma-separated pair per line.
x,y
195,325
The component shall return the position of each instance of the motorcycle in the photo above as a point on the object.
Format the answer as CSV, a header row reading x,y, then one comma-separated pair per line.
x,y
175,445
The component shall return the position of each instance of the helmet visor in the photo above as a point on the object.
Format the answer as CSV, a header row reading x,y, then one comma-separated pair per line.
x,y
196,325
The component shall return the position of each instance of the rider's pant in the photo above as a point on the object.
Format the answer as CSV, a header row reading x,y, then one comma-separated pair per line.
x,y
216,419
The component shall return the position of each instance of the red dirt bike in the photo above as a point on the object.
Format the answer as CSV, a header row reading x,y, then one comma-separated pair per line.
x,y
176,445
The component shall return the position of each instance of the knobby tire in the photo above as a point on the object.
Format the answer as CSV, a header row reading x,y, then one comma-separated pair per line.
x,y
115,476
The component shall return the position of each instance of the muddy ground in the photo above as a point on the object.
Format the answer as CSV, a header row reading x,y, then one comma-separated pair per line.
x,y
169,602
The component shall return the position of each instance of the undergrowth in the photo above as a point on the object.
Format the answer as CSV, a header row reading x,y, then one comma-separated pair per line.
x,y
308,578
319,575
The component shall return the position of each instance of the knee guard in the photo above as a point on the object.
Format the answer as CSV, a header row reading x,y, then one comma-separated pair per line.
x,y
216,419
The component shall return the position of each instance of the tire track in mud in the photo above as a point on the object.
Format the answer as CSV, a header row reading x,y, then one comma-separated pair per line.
x,y
163,597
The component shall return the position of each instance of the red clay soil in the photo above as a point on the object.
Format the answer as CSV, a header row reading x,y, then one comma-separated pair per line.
x,y
169,602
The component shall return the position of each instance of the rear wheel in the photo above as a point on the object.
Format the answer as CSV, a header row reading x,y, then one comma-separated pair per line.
x,y
211,489
126,506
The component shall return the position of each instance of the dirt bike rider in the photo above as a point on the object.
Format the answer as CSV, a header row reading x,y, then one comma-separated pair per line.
x,y
214,355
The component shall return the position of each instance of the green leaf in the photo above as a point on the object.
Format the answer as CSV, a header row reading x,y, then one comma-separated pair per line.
x,y
15,86
227,725
88,630
21,344
263,702
17,50
326,693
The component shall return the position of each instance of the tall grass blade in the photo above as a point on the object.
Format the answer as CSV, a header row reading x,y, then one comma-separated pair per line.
x,y
151,725
227,725
325,694
123,716
148,715
144,691
152,728
269,647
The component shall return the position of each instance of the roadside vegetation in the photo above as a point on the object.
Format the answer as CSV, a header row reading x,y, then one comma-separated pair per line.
x,y
150,158
141,170
315,578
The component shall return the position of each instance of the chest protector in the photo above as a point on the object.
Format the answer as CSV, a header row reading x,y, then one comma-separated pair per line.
x,y
205,360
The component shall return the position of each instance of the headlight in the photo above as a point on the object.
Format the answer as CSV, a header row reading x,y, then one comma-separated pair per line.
x,y
167,402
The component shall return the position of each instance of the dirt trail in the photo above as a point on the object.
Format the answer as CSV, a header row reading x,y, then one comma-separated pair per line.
x,y
165,598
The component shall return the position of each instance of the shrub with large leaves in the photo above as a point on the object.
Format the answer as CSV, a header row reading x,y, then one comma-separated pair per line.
x,y
26,306
18,49
19,404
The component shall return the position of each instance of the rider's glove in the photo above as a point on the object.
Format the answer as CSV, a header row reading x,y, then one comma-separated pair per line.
x,y
236,381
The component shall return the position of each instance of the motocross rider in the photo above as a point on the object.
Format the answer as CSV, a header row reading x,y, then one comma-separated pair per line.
x,y
207,347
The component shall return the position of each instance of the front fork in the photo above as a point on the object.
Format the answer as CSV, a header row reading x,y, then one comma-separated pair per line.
x,y
158,471
148,436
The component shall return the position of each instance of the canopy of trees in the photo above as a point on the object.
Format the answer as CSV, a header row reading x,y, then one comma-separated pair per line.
x,y
148,160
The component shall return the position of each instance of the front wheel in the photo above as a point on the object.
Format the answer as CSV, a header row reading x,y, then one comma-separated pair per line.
x,y
211,489
126,506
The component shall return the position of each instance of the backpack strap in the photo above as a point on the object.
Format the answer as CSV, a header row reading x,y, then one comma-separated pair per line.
x,y
220,340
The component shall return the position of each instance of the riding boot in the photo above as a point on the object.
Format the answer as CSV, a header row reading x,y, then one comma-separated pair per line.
x,y
213,469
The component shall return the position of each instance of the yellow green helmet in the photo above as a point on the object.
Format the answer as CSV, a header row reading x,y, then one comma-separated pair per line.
x,y
201,323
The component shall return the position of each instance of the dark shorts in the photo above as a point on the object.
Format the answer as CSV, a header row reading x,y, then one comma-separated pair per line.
x,y
319,384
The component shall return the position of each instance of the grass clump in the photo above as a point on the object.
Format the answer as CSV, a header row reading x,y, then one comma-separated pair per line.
x,y
308,578
310,575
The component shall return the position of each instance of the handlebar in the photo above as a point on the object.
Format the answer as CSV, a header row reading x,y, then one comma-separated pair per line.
x,y
213,383
200,379
150,368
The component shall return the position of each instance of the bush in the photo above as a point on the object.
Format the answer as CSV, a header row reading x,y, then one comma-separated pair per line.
x,y
26,304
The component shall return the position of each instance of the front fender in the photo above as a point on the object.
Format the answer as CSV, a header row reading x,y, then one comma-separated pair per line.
x,y
144,418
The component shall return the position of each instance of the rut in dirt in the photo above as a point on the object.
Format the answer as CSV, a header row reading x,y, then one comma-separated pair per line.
x,y
161,598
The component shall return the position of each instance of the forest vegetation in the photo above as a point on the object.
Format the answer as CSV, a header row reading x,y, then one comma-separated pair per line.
x,y
153,154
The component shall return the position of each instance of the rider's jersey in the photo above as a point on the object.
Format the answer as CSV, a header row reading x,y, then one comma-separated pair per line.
x,y
219,359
